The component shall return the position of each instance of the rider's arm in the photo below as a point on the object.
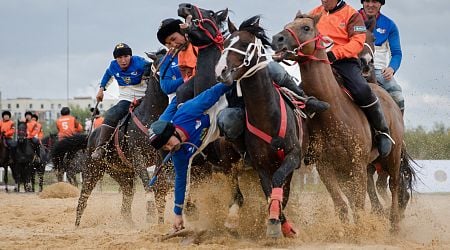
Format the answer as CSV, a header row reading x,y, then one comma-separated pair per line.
x,y
204,101
170,78
356,35
106,79
10,131
180,161
396,50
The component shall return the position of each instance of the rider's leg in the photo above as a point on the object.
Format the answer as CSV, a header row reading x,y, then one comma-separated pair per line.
x,y
393,88
112,118
362,94
284,79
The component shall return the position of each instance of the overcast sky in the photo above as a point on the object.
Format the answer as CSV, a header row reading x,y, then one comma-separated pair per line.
x,y
33,44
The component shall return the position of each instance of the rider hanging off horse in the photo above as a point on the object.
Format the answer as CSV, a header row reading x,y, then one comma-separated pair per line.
x,y
128,70
388,51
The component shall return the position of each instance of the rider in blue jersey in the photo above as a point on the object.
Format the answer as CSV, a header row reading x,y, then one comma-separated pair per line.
x,y
182,136
388,51
128,71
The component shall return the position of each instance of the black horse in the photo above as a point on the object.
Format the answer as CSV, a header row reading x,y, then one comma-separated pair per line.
x,y
26,158
273,136
128,154
5,160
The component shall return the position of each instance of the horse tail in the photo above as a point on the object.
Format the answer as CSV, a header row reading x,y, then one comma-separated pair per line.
x,y
408,171
68,145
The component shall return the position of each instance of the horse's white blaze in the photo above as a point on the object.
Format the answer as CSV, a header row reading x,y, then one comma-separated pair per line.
x,y
222,63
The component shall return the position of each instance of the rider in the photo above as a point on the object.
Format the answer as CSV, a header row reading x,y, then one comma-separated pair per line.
x,y
345,26
7,130
35,118
98,119
182,136
178,66
32,132
67,124
128,71
388,52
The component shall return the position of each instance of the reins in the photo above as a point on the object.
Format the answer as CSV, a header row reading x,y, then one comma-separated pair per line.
x,y
298,51
216,40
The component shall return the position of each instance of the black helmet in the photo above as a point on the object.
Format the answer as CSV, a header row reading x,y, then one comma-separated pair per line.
x,y
160,133
28,113
168,27
122,49
380,1
6,112
65,111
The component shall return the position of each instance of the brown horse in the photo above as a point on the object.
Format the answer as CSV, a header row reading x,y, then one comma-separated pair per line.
x,y
272,135
341,138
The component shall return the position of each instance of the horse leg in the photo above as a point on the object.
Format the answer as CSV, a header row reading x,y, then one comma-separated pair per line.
x,y
381,184
90,179
329,179
5,178
126,182
232,220
377,208
160,190
281,181
356,190
394,185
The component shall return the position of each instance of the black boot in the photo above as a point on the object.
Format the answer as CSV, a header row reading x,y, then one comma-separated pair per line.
x,y
376,119
283,79
104,137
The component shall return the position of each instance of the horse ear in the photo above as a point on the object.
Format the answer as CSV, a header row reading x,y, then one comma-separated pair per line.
x,y
231,27
256,21
316,19
299,14
151,55
370,23
222,15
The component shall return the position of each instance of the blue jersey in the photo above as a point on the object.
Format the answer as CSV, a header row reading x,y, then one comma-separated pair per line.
x,y
131,76
170,75
191,119
387,31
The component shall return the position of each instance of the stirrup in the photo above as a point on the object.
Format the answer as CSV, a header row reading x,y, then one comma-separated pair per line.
x,y
385,134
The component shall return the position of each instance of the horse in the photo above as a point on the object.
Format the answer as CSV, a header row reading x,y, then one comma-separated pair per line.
x,y
341,138
127,153
44,158
26,158
5,157
273,133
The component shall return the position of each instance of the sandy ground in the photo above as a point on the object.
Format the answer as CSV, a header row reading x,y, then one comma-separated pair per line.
x,y
28,221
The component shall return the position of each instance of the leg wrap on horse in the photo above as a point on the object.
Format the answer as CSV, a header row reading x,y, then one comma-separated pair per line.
x,y
275,203
287,228
377,121
279,75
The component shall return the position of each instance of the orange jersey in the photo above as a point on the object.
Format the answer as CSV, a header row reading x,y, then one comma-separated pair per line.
x,y
187,60
97,122
32,129
67,125
345,27
40,134
7,127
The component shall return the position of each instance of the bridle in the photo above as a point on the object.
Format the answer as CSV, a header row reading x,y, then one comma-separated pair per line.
x,y
253,49
199,22
318,39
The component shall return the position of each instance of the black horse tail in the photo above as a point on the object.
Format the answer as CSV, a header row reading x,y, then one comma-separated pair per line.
x,y
408,171
69,145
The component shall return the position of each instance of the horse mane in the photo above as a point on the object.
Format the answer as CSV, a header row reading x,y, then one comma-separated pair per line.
x,y
251,26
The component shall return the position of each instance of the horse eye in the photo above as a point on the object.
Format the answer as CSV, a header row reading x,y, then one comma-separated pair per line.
x,y
211,13
306,28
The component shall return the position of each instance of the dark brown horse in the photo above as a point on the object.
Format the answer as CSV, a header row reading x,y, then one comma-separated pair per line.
x,y
272,135
4,159
341,137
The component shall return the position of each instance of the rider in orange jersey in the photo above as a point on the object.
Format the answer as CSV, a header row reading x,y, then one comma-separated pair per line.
x,y
67,125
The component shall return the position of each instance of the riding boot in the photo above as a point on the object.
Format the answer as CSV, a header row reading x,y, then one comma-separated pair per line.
x,y
100,148
375,115
284,79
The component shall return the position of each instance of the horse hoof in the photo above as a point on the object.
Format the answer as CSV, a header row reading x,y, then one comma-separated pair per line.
x,y
231,223
274,229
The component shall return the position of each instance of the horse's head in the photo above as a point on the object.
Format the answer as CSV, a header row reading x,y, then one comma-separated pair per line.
x,y
243,51
156,57
21,130
366,56
204,26
299,40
